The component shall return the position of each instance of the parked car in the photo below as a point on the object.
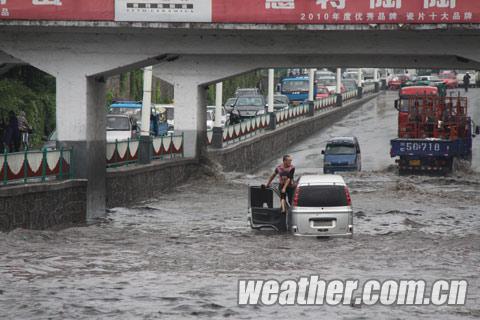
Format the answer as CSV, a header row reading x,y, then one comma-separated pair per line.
x,y
230,103
121,127
247,92
280,102
211,117
250,106
321,207
397,81
449,78
350,84
342,154
322,92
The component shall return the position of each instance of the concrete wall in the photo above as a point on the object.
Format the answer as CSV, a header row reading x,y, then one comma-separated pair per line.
x,y
130,185
250,154
43,206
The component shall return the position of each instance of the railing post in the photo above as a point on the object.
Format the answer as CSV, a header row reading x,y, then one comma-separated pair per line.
x,y
183,141
145,149
360,93
44,164
273,120
311,109
339,100
70,174
25,166
60,163
5,167
115,152
217,137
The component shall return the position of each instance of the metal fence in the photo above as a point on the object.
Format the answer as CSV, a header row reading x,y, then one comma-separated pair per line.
x,y
122,153
36,165
325,103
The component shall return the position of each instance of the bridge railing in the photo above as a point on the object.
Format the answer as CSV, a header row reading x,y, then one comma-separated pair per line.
x,y
167,147
349,95
122,153
326,102
243,130
36,166
285,116
369,88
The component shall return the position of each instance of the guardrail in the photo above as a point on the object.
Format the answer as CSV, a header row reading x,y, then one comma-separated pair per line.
x,y
250,127
368,88
36,165
284,116
349,95
326,102
122,153
244,129
170,146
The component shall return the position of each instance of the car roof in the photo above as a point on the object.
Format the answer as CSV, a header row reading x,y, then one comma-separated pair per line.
x,y
322,179
342,139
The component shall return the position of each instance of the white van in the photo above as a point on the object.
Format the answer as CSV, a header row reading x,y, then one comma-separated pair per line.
x,y
321,207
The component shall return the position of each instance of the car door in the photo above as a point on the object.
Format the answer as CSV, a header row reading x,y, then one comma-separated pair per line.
x,y
264,209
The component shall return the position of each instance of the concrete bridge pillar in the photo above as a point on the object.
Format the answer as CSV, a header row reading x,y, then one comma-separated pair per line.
x,y
191,115
80,122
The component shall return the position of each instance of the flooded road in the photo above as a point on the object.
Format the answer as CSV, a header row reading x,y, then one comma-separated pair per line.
x,y
180,256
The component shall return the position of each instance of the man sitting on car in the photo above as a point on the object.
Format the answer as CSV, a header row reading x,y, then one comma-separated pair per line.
x,y
286,186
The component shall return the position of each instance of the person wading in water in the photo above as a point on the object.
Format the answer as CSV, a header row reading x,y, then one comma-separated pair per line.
x,y
286,186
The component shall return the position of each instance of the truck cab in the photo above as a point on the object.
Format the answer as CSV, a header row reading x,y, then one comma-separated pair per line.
x,y
342,154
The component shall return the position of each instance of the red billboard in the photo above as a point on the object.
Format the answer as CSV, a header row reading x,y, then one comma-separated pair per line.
x,y
57,9
346,11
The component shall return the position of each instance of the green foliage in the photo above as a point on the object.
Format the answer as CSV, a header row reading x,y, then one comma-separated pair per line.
x,y
32,91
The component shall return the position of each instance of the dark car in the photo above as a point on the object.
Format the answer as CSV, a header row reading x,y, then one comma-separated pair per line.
x,y
342,154
250,106
350,84
241,92
280,102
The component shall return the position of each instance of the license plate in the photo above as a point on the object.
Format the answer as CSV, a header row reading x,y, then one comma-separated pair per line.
x,y
322,223
415,163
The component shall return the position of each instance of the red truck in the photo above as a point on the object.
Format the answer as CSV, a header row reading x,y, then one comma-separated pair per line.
x,y
433,131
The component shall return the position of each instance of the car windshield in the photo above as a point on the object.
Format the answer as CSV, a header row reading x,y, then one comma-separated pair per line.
x,y
327,82
295,85
249,101
340,149
322,196
281,100
322,89
230,102
118,124
246,92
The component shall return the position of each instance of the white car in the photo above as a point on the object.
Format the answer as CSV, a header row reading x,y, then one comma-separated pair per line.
x,y
211,117
120,127
321,207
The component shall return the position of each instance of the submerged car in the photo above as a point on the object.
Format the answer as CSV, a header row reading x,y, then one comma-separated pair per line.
x,y
342,154
321,207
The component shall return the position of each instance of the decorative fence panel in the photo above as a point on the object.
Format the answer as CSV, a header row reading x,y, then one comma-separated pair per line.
x,y
121,153
168,146
244,129
38,165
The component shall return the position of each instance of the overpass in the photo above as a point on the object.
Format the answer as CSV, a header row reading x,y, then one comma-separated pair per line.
x,y
82,46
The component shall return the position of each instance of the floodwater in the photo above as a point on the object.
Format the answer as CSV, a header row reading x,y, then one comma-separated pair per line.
x,y
180,256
